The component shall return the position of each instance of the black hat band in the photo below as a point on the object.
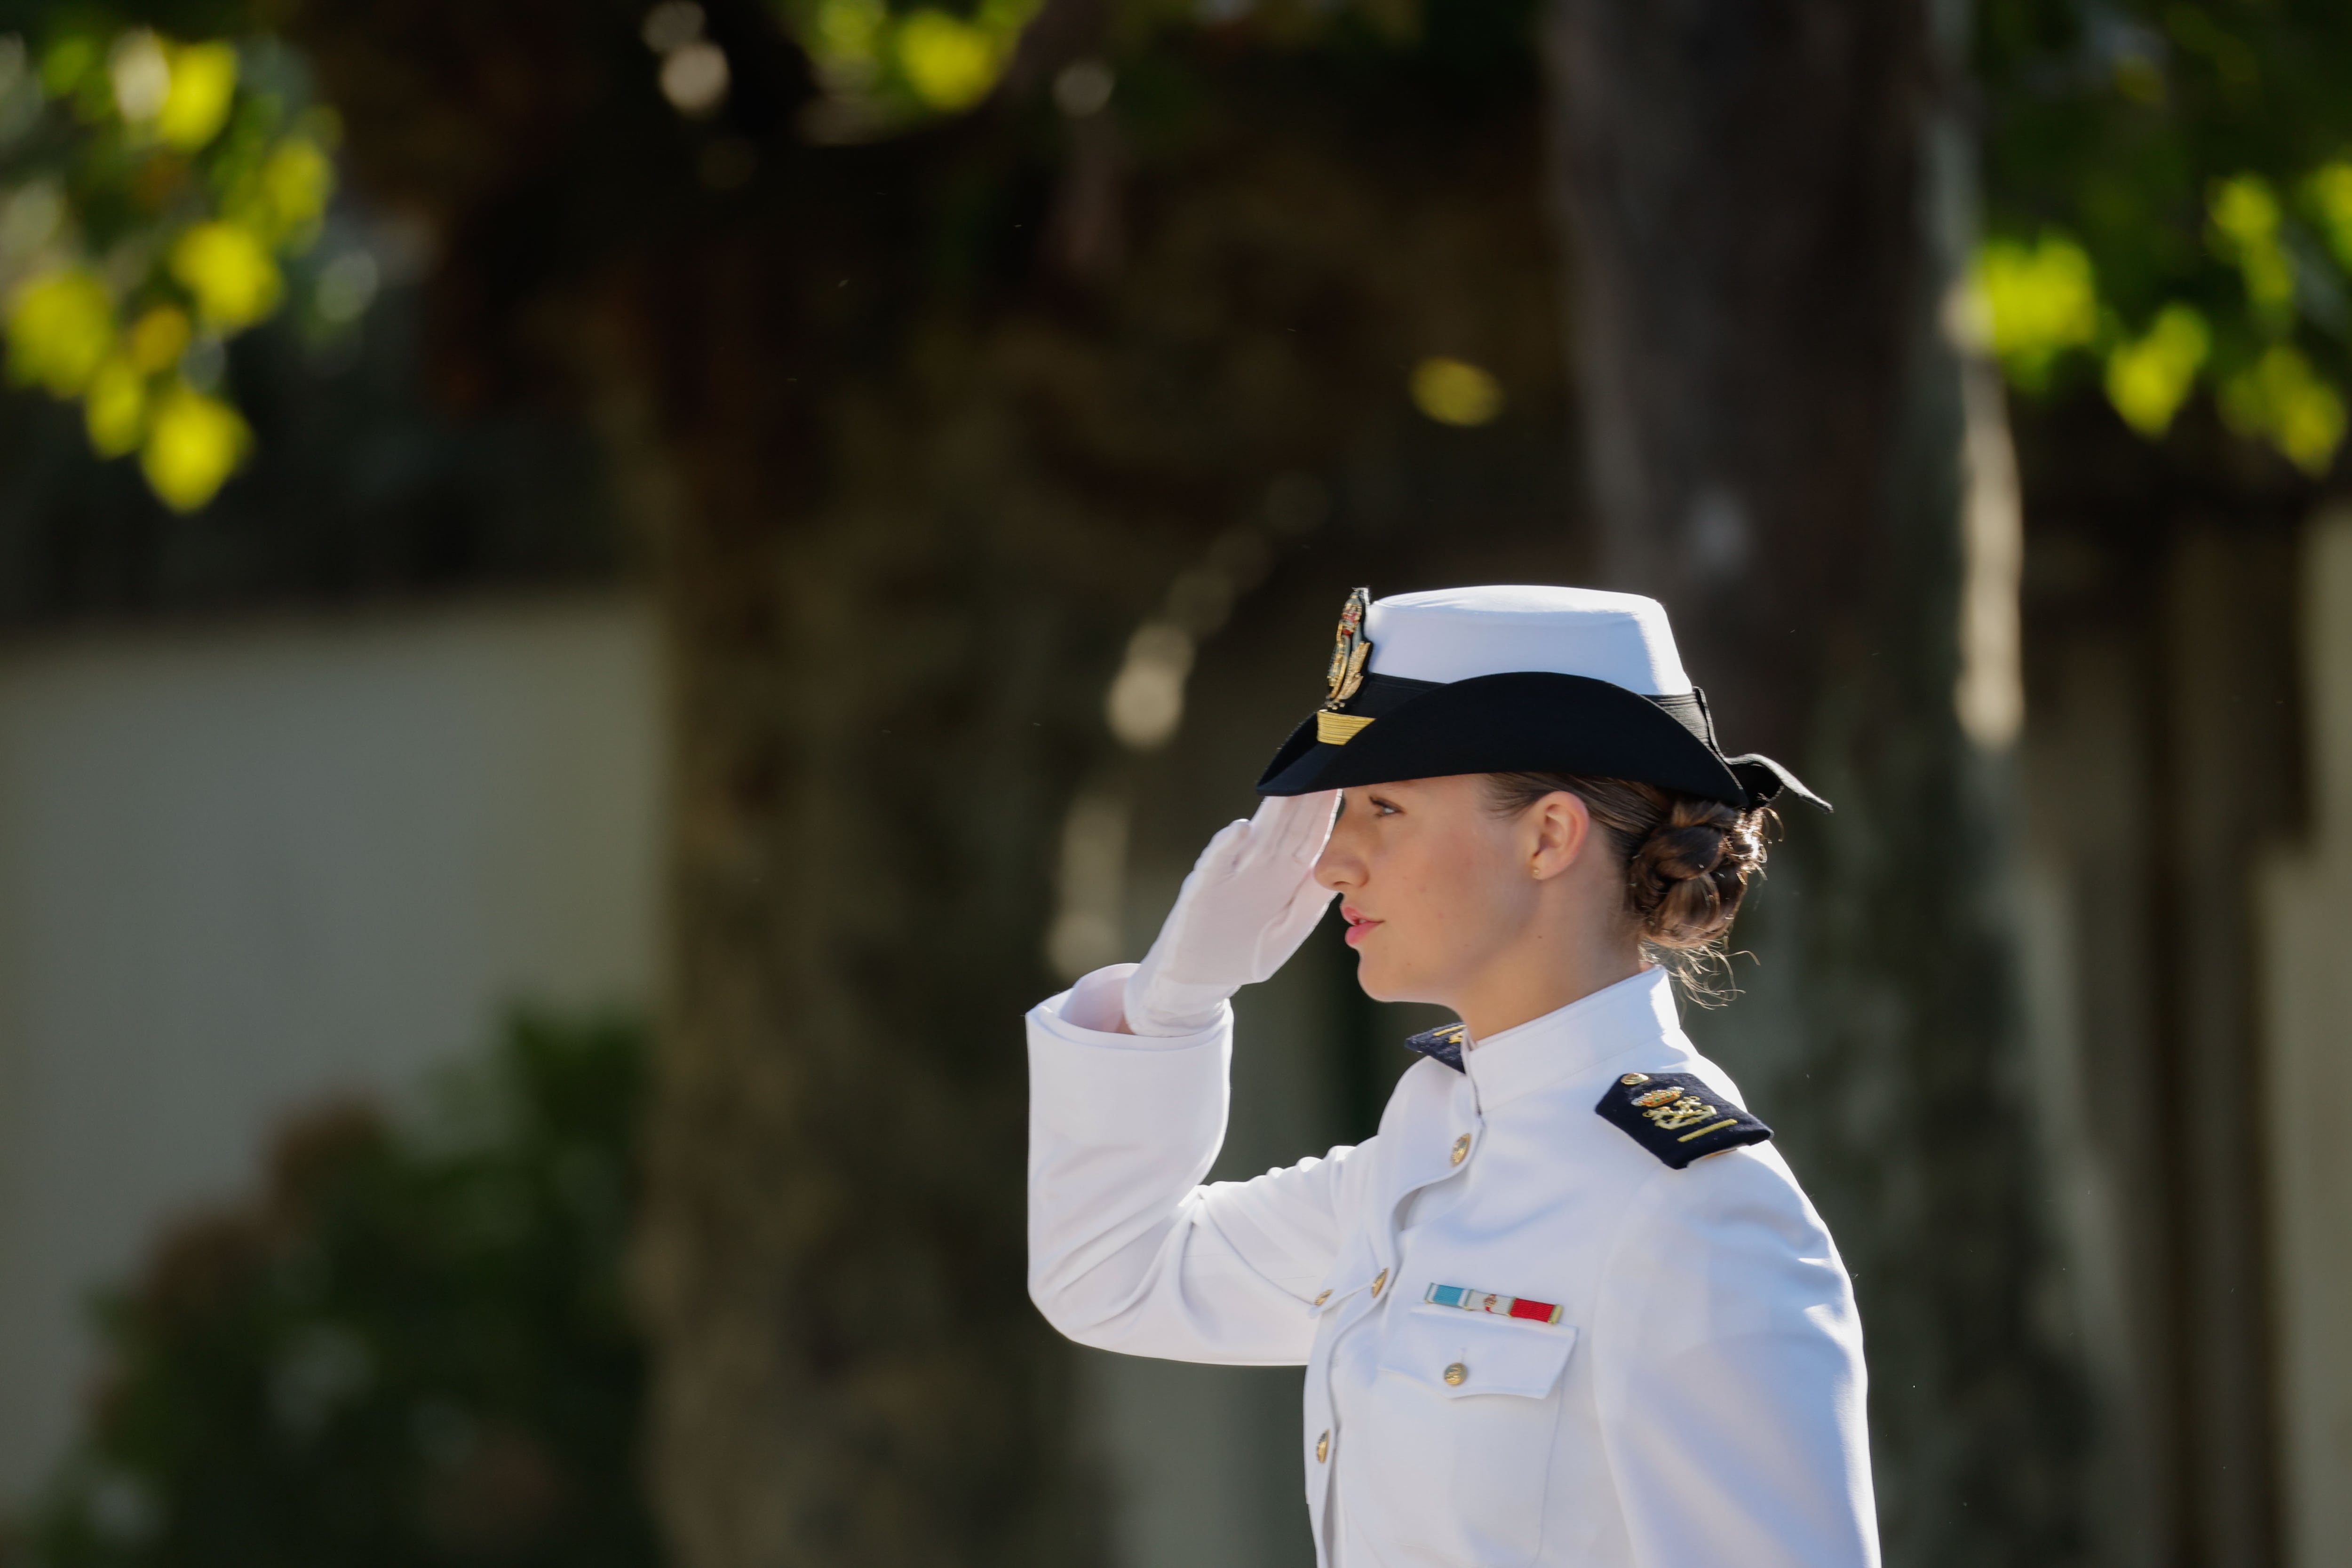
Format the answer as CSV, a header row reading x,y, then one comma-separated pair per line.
x,y
1395,728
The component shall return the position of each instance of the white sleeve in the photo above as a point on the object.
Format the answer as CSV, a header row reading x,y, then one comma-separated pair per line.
x,y
1728,1362
1127,1251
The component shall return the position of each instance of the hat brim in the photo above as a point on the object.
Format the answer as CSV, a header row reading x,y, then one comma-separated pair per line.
x,y
1522,722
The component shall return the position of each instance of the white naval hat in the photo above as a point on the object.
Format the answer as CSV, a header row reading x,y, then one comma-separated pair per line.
x,y
1512,679
1448,634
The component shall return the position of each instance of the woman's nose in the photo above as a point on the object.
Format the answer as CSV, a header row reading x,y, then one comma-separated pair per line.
x,y
1334,868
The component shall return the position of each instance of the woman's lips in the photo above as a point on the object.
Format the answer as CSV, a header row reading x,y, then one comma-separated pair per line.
x,y
1359,928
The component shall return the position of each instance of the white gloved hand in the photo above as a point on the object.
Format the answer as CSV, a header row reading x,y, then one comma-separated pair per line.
x,y
1250,902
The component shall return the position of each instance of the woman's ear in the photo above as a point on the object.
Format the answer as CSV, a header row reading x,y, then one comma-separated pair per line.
x,y
1561,825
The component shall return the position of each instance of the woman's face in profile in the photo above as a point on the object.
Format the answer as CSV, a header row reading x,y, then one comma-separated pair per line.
x,y
1435,885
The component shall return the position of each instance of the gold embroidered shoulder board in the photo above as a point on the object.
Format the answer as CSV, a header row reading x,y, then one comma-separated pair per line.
x,y
1677,1117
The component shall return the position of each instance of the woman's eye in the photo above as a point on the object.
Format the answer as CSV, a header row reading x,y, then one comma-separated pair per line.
x,y
1385,808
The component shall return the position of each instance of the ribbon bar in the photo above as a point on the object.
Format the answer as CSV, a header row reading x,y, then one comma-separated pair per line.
x,y
1470,1300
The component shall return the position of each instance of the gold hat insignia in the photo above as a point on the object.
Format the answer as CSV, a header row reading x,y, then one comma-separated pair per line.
x,y
1354,648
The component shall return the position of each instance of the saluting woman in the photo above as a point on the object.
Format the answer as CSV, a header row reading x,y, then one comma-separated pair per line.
x,y
1569,1306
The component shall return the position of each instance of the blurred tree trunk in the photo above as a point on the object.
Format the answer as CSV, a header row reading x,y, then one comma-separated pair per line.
x,y
878,701
861,680
1766,206
878,696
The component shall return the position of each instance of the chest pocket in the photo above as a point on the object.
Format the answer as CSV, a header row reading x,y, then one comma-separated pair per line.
x,y
1471,1409
1465,1354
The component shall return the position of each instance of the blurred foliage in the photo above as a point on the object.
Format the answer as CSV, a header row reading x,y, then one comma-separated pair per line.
x,y
152,190
363,486
2169,207
2169,189
155,193
882,65
411,1349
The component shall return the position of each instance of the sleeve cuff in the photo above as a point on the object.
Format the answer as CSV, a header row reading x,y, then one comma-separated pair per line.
x,y
1077,1015
1098,1001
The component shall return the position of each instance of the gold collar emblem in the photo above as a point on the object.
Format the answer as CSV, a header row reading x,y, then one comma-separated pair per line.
x,y
1348,659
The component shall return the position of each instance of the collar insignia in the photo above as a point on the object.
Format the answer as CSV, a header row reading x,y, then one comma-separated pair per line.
x,y
1348,659
1445,1044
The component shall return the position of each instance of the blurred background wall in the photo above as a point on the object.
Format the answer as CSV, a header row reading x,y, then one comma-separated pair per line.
x,y
248,866
2302,1003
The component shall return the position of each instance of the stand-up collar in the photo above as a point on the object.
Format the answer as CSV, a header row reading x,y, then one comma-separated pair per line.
x,y
1627,1016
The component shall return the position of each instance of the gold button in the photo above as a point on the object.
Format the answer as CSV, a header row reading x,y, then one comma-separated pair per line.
x,y
1323,1298
1461,1149
1380,1280
1455,1373
1632,1078
1322,1448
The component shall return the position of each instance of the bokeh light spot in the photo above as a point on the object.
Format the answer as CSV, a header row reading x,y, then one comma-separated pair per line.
x,y
196,104
30,219
1146,700
951,63
2040,299
2330,191
158,339
671,26
194,443
694,79
2283,399
114,410
1084,87
293,191
2148,378
141,74
1455,392
2244,214
849,32
229,271
347,287
60,330
68,63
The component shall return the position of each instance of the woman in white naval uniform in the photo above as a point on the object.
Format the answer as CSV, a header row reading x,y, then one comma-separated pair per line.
x,y
1569,1306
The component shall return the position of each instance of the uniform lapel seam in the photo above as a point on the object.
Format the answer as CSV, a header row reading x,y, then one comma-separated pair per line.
x,y
1646,1048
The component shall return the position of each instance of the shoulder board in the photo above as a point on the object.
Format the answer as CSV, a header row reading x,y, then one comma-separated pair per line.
x,y
1677,1117
1445,1044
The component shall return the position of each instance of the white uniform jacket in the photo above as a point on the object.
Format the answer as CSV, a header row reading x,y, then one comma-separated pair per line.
x,y
1697,1403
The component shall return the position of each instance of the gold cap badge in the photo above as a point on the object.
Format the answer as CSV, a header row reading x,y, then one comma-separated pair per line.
x,y
1348,659
1347,673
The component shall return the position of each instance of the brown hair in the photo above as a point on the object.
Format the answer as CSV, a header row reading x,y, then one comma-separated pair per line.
x,y
1687,861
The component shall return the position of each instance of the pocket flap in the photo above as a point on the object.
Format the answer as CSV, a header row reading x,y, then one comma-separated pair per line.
x,y
1330,1299
1355,1271
1461,1354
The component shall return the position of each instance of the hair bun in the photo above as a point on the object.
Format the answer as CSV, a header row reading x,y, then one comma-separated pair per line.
x,y
1681,853
1685,877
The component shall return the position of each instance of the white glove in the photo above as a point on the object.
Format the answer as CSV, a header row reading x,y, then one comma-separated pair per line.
x,y
1250,902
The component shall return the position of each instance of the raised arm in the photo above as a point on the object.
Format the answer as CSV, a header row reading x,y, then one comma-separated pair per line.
x,y
1128,1095
1127,1251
